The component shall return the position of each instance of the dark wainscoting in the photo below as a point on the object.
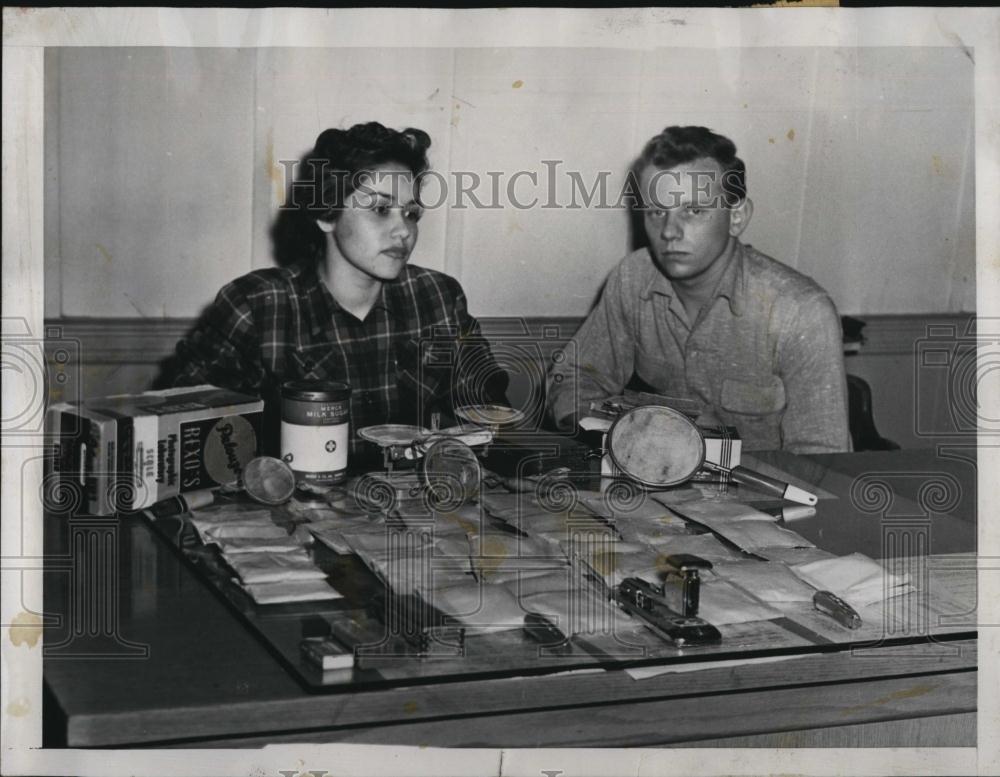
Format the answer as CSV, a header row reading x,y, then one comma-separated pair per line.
x,y
914,364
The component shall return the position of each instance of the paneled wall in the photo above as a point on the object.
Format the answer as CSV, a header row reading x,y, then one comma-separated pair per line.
x,y
164,165
152,167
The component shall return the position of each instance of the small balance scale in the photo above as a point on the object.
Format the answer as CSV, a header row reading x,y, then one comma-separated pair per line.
x,y
445,470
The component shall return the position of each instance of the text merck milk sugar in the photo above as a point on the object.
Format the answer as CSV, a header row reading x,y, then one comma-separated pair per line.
x,y
315,423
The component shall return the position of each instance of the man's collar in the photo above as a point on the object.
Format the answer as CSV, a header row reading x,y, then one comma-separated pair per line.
x,y
659,283
731,284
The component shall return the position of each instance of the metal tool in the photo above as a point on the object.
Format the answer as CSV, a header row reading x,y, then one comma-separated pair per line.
x,y
438,640
421,628
829,603
446,471
639,598
687,567
765,483
542,630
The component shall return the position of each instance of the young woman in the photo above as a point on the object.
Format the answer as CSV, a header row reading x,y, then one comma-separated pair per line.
x,y
344,304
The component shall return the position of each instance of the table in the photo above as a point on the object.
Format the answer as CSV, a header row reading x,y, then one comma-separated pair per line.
x,y
145,653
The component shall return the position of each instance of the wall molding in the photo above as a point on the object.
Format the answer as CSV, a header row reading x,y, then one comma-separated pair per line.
x,y
121,340
147,341
898,335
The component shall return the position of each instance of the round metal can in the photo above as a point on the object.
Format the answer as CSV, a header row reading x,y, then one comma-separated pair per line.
x,y
315,428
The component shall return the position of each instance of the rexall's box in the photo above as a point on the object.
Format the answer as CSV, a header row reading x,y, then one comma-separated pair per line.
x,y
129,451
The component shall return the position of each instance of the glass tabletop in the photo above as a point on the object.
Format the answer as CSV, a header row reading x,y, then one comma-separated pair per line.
x,y
880,506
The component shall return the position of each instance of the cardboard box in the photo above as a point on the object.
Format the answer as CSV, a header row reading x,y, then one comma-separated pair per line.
x,y
84,460
722,446
142,448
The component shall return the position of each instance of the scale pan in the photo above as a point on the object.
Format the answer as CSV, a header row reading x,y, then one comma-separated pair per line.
x,y
489,415
387,435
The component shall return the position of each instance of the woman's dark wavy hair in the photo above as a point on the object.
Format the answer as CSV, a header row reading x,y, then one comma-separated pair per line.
x,y
328,174
678,145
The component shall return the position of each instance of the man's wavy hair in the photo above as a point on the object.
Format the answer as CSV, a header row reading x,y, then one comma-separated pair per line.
x,y
679,145
327,176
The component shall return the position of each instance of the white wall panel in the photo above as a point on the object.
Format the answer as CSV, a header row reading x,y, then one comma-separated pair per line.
x,y
164,175
888,214
155,160
515,109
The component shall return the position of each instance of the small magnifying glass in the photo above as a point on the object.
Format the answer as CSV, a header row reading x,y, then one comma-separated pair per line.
x,y
268,480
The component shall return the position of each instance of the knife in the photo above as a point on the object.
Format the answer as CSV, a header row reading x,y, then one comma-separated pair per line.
x,y
543,630
829,603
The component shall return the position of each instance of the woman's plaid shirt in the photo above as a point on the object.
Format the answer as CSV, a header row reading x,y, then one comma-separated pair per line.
x,y
417,352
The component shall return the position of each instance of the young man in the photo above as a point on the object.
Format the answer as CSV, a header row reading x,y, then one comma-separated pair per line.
x,y
700,316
